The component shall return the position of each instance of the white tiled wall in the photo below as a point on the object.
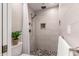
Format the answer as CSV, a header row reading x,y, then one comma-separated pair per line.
x,y
47,38
31,34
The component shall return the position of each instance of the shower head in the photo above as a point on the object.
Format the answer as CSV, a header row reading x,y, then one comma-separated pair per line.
x,y
43,6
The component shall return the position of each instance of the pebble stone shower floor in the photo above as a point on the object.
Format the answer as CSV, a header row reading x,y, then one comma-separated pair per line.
x,y
40,52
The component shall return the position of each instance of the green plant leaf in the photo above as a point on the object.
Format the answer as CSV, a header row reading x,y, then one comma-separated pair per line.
x,y
15,35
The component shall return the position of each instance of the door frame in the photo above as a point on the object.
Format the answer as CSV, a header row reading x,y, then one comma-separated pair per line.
x,y
0,29
9,33
7,26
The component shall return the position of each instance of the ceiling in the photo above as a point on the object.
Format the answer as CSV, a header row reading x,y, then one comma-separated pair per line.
x,y
37,6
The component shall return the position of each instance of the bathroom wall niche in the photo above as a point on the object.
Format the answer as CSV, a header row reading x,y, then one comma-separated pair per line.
x,y
43,25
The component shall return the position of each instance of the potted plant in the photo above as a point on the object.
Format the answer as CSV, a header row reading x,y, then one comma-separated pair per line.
x,y
15,37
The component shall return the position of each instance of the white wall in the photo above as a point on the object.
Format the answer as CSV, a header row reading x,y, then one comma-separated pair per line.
x,y
47,38
69,16
17,17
